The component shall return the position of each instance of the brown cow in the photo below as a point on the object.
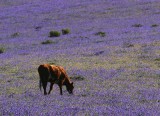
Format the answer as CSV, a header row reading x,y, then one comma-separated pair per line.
x,y
54,74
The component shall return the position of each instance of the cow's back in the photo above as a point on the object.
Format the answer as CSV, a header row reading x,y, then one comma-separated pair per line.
x,y
55,72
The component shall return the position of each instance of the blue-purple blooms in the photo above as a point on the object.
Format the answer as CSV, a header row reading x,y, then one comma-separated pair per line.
x,y
115,73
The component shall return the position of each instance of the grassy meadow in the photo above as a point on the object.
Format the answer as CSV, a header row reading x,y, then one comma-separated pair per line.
x,y
110,49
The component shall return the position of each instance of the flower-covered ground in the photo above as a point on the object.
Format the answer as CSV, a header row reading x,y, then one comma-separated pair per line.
x,y
112,55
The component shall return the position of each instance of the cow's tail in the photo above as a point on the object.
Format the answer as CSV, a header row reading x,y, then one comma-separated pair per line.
x,y
40,84
40,76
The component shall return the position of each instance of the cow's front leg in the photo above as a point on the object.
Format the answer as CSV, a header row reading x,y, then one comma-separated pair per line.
x,y
51,87
60,87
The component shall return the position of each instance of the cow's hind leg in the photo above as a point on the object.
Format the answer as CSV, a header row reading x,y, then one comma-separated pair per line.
x,y
44,84
51,87
44,76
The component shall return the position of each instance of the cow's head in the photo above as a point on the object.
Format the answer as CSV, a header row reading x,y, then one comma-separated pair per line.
x,y
70,88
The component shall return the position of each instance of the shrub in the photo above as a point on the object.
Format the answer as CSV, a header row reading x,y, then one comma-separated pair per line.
x,y
2,49
157,59
102,34
154,25
77,77
137,25
128,45
38,28
65,31
15,34
99,53
54,34
47,42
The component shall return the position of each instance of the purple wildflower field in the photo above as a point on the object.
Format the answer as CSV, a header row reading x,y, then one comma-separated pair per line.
x,y
113,47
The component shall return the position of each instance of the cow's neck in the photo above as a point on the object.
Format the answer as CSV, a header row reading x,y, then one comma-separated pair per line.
x,y
67,82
